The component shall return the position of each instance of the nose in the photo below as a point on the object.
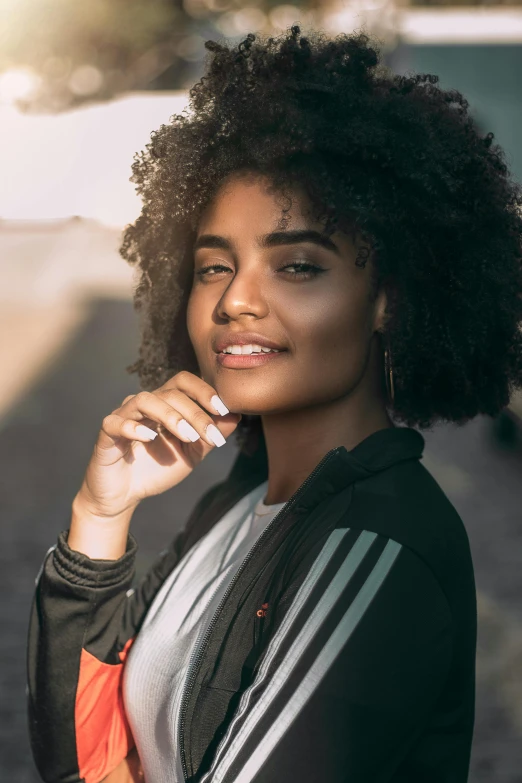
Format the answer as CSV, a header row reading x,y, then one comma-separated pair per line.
x,y
244,295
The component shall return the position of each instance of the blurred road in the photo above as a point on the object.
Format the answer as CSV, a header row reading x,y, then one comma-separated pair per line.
x,y
49,418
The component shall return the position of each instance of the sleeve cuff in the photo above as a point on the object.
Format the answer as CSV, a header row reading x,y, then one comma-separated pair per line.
x,y
80,569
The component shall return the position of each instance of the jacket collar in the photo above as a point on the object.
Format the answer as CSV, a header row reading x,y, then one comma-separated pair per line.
x,y
340,467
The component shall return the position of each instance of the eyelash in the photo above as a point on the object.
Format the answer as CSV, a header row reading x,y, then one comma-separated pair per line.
x,y
312,272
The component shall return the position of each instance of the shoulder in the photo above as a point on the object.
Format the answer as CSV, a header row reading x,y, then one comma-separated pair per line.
x,y
406,505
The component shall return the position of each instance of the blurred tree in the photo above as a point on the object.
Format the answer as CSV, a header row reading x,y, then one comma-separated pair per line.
x,y
55,54
80,51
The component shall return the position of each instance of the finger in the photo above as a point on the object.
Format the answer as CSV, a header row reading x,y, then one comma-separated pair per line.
x,y
198,390
183,418
203,423
117,427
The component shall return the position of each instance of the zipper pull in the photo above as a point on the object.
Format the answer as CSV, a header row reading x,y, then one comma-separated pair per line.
x,y
262,612
258,620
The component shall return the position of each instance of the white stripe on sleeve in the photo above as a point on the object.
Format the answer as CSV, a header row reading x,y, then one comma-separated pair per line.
x,y
352,561
322,663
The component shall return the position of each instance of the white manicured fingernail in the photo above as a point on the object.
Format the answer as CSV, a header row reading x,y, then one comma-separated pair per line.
x,y
219,405
215,436
145,432
188,431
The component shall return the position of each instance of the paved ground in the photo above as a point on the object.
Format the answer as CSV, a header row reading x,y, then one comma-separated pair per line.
x,y
46,434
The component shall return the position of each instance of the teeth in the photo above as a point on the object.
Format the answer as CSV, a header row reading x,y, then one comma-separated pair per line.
x,y
248,349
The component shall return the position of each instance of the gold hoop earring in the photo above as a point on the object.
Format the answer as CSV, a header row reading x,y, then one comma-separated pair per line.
x,y
388,374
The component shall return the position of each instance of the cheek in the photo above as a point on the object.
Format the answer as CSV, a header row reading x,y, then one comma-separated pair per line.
x,y
333,329
200,328
190,315
195,320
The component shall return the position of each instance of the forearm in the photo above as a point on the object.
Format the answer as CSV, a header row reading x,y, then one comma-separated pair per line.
x,y
74,650
84,613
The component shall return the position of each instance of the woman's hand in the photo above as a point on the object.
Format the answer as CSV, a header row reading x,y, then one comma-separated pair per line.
x,y
127,467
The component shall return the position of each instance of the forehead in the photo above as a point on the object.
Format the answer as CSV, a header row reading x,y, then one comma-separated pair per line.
x,y
246,207
248,202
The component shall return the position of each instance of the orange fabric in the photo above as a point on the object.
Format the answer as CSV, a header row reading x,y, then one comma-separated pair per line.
x,y
103,735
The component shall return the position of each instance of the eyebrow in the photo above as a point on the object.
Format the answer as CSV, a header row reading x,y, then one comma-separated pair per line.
x,y
275,239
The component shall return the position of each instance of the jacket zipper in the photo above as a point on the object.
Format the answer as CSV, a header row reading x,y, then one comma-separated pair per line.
x,y
199,650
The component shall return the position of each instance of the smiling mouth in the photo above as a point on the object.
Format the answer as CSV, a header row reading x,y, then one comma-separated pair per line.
x,y
241,360
252,353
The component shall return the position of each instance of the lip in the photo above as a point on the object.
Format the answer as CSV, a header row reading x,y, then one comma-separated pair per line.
x,y
245,338
244,361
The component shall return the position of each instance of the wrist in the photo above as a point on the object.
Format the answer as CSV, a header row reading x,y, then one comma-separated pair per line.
x,y
98,536
83,505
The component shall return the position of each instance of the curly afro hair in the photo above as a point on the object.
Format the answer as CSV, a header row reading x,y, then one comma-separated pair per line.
x,y
396,157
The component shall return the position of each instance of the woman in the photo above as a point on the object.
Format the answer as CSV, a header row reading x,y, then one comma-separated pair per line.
x,y
316,618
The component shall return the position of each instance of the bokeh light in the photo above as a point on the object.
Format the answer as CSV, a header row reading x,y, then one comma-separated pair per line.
x,y
241,22
18,84
85,80
283,16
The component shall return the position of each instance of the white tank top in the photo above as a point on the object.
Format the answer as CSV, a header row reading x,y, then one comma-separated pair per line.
x,y
177,620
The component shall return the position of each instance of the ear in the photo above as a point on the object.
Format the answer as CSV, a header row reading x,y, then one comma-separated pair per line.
x,y
380,317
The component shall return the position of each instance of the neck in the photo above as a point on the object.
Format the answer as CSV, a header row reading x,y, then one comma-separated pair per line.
x,y
296,441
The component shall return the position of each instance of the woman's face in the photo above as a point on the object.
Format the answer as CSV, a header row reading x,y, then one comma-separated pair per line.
x,y
323,319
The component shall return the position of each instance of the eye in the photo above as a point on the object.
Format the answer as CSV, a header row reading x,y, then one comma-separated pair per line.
x,y
203,271
306,270
312,269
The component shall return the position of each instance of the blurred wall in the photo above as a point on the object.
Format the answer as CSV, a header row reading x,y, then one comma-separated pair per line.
x,y
489,76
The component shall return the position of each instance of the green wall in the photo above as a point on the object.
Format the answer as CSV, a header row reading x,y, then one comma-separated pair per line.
x,y
488,75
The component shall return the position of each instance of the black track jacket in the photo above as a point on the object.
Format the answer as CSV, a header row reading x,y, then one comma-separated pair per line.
x,y
343,650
